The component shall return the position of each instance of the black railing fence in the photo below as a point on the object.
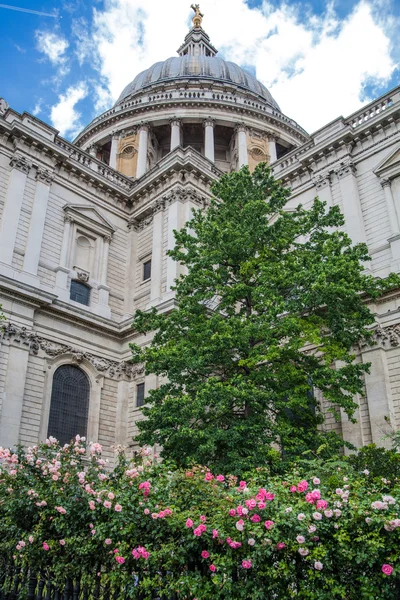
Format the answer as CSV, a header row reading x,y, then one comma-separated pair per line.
x,y
17,583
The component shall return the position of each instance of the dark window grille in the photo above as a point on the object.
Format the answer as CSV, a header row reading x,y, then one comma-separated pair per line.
x,y
140,394
69,404
79,292
146,270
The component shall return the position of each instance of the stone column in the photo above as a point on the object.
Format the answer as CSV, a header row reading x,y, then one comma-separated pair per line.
x,y
175,133
391,207
121,420
114,150
322,182
142,153
157,254
102,307
92,150
209,139
354,220
130,276
62,271
12,206
379,395
243,157
44,178
13,395
173,223
272,149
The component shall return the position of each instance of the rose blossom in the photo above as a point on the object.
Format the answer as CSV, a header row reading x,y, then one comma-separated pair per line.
x,y
269,524
316,481
328,513
120,560
317,516
107,504
281,545
312,528
302,486
301,516
212,568
205,554
189,523
303,551
255,518
318,565
387,569
118,508
246,564
240,525
301,539
220,478
232,512
62,542
215,533
251,541
46,546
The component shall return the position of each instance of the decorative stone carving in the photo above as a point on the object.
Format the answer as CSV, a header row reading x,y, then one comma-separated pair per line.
x,y
385,337
209,122
114,369
44,175
82,276
386,183
20,162
3,106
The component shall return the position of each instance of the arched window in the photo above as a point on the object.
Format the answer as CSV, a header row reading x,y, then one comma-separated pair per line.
x,y
79,292
69,404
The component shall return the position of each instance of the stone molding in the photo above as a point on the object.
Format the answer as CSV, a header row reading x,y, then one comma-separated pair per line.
x,y
35,343
44,175
386,182
20,162
209,122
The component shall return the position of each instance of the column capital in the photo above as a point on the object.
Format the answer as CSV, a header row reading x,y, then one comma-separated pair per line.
x,y
386,182
20,162
68,218
241,127
209,122
321,180
144,126
175,121
346,167
107,239
44,175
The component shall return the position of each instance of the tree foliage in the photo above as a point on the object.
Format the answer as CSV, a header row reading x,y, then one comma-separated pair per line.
x,y
272,301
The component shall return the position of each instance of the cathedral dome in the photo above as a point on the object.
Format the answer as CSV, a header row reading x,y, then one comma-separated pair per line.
x,y
191,67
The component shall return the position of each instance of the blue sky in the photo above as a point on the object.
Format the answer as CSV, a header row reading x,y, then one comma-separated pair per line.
x,y
319,59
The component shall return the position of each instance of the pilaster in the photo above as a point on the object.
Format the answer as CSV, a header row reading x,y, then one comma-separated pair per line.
x,y
175,133
157,254
346,174
142,153
243,157
209,152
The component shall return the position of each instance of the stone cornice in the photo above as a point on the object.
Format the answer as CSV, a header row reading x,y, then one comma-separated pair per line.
x,y
37,344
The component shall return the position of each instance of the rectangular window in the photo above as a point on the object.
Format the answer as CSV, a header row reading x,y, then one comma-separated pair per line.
x,y
140,394
146,270
79,292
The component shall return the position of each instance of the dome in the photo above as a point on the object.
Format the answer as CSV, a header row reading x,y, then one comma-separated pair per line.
x,y
193,67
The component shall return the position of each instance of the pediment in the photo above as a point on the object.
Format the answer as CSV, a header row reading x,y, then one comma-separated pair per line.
x,y
390,166
90,217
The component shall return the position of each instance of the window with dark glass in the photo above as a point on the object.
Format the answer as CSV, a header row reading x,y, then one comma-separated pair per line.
x,y
79,292
69,405
146,270
140,394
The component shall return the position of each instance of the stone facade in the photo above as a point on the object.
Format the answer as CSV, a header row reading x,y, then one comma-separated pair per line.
x,y
98,210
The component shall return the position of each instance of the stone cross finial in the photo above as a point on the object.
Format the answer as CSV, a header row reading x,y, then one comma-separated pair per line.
x,y
198,17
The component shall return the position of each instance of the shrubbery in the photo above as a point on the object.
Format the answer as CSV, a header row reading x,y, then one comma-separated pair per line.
x,y
321,531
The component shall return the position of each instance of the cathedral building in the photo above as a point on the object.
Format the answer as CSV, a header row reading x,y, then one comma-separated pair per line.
x,y
85,227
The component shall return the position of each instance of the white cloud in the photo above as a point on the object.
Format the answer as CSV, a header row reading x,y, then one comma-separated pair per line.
x,y
316,67
64,115
54,47
38,107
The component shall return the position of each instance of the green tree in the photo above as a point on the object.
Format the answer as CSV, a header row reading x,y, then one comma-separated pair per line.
x,y
271,301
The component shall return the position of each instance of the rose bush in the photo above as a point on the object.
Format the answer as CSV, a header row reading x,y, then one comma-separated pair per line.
x,y
147,530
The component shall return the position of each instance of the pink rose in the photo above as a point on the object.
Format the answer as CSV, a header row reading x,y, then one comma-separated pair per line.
x,y
205,554
189,523
321,504
232,512
251,503
46,546
62,542
208,477
387,569
215,533
269,496
118,508
318,565
255,518
111,496
203,518
107,504
213,568
301,539
246,564
242,484
261,505
281,545
293,489
120,560
316,481
107,541
269,524
302,486
240,525
220,478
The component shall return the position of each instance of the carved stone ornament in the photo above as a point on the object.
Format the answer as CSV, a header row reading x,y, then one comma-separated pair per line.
x,y
3,106
82,275
114,369
20,162
44,175
384,337
209,122
184,195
